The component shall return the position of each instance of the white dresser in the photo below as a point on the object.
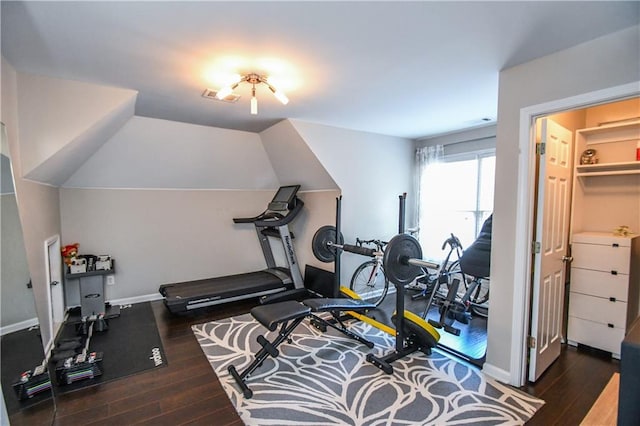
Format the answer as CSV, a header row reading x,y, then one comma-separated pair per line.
x,y
604,290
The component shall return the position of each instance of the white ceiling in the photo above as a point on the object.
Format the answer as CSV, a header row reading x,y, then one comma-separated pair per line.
x,y
408,69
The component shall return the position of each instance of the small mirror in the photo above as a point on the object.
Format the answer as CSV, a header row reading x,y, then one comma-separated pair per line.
x,y
26,384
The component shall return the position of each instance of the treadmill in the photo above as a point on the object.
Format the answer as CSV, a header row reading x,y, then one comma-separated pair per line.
x,y
272,223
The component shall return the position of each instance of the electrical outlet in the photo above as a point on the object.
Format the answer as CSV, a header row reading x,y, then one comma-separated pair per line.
x,y
111,280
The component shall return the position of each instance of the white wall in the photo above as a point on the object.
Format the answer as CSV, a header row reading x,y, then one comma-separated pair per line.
x,y
153,153
601,114
601,63
371,171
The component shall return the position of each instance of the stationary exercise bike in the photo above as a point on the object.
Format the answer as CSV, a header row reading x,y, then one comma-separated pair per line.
x,y
460,287
442,288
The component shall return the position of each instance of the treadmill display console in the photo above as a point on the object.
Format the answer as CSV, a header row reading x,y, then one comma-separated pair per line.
x,y
284,198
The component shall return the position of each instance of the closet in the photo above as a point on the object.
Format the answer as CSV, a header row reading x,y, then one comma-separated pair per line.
x,y
604,288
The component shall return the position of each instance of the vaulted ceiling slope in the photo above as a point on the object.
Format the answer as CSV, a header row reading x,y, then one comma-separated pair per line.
x,y
82,135
407,69
63,123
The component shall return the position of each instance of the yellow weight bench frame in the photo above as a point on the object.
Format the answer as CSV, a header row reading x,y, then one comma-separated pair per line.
x,y
417,334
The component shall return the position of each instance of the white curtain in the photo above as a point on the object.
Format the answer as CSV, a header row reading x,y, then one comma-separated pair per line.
x,y
425,157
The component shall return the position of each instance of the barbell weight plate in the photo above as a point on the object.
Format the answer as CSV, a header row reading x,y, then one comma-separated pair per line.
x,y
321,245
421,330
401,248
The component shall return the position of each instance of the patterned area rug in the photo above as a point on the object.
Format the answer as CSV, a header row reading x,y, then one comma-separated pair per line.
x,y
324,379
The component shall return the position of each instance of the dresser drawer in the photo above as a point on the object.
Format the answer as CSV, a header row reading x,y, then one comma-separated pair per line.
x,y
599,283
595,334
601,258
597,309
601,238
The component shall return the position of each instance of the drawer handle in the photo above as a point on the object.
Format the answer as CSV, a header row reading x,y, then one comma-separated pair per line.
x,y
615,245
614,272
612,299
610,325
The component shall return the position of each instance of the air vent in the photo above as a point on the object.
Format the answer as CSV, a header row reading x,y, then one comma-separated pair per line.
x,y
211,94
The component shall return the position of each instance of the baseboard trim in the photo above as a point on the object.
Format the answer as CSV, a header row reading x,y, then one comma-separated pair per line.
x,y
18,326
497,373
136,299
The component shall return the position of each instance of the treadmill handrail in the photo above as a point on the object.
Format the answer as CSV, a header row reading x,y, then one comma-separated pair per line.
x,y
263,220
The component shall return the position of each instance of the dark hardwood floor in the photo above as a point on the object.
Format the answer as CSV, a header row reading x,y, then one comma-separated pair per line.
x,y
187,391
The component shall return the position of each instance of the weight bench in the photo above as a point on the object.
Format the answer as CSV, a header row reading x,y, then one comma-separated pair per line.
x,y
288,315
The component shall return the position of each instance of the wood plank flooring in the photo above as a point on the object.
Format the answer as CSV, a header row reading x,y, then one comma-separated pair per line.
x,y
187,391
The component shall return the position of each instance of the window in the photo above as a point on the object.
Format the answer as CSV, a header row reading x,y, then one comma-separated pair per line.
x,y
456,196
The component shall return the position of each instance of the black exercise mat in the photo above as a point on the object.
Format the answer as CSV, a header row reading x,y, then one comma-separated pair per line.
x,y
20,351
131,345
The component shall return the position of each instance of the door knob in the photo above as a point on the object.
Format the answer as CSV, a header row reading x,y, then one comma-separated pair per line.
x,y
54,283
567,259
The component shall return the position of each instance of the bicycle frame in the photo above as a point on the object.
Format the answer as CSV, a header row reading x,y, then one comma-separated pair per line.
x,y
365,281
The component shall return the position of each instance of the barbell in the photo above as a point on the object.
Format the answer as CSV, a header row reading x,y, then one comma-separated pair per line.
x,y
326,243
402,260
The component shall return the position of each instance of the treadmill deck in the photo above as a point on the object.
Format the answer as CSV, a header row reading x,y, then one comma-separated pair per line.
x,y
188,295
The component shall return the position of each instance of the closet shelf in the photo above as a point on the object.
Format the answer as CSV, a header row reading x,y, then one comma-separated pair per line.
x,y
609,169
613,133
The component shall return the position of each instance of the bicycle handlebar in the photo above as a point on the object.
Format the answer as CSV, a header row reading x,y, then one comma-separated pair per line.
x,y
453,241
379,243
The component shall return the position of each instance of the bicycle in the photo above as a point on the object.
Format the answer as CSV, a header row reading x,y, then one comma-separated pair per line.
x,y
369,280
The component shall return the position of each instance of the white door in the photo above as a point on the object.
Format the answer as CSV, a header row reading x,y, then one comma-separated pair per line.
x,y
54,278
552,234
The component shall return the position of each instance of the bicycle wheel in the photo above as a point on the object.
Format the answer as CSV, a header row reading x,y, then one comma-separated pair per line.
x,y
480,295
370,282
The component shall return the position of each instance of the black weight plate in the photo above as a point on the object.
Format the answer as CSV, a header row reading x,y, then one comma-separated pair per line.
x,y
401,248
322,250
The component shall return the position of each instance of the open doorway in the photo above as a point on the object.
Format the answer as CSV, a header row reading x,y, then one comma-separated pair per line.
x,y
614,181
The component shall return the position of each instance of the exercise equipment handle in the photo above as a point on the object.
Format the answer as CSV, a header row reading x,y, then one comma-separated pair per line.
x,y
268,218
364,251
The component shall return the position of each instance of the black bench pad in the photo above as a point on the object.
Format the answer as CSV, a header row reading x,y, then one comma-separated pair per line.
x,y
272,315
337,304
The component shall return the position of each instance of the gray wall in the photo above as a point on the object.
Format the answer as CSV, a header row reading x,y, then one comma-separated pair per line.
x,y
601,63
372,171
160,197
17,304
63,122
38,204
153,153
164,236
